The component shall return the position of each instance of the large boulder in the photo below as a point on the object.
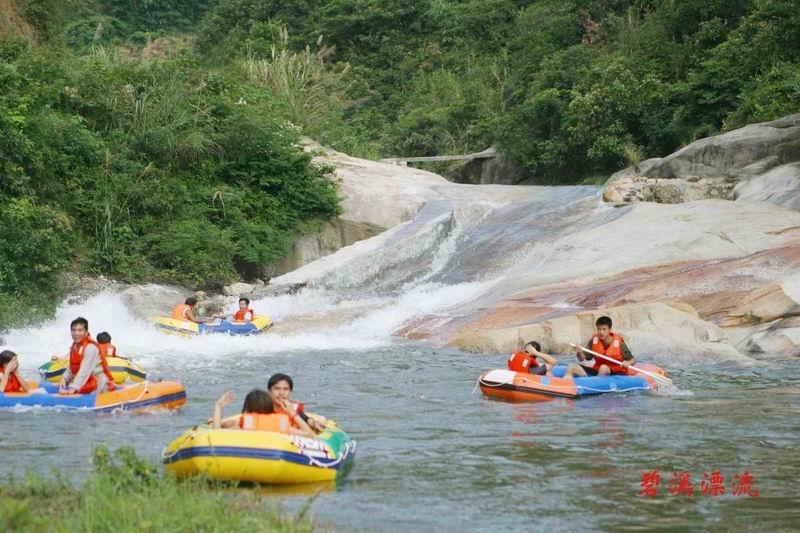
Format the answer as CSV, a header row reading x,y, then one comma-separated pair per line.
x,y
238,289
779,186
741,164
485,170
766,304
149,300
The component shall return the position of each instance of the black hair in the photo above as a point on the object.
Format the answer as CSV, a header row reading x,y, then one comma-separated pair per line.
x,y
603,321
258,401
80,320
191,301
275,378
6,356
245,300
103,337
535,344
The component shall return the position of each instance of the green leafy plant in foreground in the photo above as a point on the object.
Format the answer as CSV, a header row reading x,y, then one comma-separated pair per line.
x,y
126,493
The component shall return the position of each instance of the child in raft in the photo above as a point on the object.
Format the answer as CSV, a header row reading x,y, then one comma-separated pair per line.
x,y
259,414
528,360
10,378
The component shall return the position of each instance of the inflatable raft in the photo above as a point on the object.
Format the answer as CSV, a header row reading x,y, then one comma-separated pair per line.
x,y
259,456
259,325
122,370
140,397
519,386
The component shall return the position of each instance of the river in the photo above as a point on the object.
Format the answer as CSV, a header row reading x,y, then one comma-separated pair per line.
x,y
433,454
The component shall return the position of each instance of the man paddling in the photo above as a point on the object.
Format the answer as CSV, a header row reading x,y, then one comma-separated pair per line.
x,y
604,342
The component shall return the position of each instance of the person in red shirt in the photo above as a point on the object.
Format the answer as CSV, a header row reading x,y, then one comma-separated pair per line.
x,y
10,378
604,342
528,360
244,314
84,357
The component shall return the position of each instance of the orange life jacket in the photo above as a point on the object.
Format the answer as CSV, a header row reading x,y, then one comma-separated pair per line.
x,y
13,384
522,362
275,422
75,359
107,350
614,351
181,312
240,314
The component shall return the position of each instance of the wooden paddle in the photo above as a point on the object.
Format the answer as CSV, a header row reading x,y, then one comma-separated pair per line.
x,y
661,380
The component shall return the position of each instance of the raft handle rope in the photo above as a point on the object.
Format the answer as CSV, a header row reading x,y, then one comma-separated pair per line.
x,y
145,390
179,447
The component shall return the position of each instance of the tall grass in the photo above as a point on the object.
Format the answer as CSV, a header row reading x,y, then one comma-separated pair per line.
x,y
129,494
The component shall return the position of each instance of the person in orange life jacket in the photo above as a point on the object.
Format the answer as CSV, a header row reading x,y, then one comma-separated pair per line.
x,y
607,343
184,311
84,357
259,414
280,387
244,314
10,378
527,360
106,350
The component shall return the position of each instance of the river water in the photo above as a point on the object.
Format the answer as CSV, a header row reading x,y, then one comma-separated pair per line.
x,y
433,454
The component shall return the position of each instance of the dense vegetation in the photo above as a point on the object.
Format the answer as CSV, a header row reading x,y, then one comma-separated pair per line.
x,y
154,139
128,494
157,169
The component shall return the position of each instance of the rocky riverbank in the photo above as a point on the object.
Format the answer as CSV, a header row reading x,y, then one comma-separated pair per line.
x,y
709,273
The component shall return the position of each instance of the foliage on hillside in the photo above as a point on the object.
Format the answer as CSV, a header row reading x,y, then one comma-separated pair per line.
x,y
143,170
155,139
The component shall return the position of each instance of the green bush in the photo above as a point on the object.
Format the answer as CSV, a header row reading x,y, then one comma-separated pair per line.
x,y
126,493
145,170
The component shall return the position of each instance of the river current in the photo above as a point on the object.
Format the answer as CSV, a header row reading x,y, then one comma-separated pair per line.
x,y
433,454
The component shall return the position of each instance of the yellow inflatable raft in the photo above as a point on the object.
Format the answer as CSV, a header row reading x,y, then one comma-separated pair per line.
x,y
259,325
122,370
259,456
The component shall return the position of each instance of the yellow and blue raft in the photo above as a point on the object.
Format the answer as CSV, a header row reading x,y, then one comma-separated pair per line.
x,y
259,325
261,456
122,370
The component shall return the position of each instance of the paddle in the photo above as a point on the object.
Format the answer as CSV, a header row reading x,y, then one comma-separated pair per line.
x,y
661,380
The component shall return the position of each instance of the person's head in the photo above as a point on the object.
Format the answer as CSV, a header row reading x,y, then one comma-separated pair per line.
x,y
531,346
280,386
6,356
191,301
103,337
258,401
244,303
603,325
79,328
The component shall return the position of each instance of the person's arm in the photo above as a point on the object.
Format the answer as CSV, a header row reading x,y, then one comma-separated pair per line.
x,y
190,316
22,382
4,380
66,377
91,358
547,358
225,399
583,356
300,427
248,316
627,357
